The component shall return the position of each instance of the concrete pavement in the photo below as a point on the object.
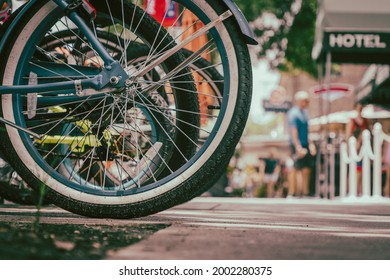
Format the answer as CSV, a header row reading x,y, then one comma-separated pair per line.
x,y
245,228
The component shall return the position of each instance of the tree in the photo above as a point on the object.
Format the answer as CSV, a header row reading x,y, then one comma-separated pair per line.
x,y
288,46
301,39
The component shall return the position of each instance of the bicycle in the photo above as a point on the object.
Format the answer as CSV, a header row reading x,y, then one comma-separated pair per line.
x,y
103,139
14,189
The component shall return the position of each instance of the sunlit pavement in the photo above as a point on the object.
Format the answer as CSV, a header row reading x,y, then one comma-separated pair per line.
x,y
245,228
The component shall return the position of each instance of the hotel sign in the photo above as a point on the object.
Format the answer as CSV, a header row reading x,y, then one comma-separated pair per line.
x,y
358,41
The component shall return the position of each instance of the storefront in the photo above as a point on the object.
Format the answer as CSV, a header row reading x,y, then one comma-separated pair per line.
x,y
353,32
375,86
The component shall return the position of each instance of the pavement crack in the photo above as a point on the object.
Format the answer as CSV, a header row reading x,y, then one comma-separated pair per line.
x,y
214,207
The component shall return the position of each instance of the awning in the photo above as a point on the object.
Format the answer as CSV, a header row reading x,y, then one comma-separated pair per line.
x,y
374,87
370,112
353,31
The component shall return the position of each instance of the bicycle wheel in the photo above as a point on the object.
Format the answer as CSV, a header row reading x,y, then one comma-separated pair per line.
x,y
154,125
84,135
16,190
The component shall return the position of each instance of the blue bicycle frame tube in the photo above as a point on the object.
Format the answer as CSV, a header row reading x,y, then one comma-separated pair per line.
x,y
111,68
108,60
53,87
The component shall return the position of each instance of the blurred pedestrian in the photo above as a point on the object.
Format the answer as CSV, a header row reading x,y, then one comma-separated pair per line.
x,y
291,177
386,165
253,179
302,148
271,172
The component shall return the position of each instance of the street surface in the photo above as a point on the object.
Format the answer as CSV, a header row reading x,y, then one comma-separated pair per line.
x,y
245,228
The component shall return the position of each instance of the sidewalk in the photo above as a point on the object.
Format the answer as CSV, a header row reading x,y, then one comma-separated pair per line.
x,y
246,228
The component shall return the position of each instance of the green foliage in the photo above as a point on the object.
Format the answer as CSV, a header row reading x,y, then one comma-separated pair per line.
x,y
301,40
300,37
254,8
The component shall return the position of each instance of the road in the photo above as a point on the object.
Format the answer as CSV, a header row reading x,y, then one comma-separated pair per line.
x,y
244,228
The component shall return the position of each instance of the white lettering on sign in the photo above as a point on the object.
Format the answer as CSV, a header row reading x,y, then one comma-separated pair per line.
x,y
368,41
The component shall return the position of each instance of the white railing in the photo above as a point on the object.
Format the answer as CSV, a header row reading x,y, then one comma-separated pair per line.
x,y
368,154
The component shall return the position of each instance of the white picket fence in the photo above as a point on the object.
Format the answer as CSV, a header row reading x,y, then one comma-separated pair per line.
x,y
370,155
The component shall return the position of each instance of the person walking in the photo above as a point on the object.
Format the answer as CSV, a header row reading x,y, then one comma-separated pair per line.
x,y
302,148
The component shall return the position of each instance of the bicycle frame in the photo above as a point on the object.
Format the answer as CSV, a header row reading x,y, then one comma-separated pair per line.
x,y
112,74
